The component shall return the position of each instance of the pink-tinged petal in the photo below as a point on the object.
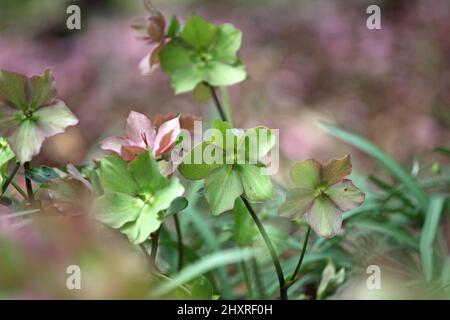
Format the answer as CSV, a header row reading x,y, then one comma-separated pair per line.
x,y
167,136
298,201
144,65
140,130
345,195
336,169
26,141
129,153
324,217
114,144
75,174
42,89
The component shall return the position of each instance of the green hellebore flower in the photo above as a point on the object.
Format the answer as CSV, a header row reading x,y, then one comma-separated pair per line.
x,y
135,195
30,113
234,168
203,53
323,194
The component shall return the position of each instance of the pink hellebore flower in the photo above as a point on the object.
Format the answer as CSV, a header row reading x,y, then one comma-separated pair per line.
x,y
142,134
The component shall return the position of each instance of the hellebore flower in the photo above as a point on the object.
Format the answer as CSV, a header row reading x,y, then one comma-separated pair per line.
x,y
203,52
30,113
233,169
323,194
142,134
136,194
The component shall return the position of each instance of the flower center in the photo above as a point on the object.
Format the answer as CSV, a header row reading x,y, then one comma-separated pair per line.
x,y
147,198
28,113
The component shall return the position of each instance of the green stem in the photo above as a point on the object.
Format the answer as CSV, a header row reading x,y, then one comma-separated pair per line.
x,y
302,255
247,279
30,193
11,177
222,113
19,189
155,239
259,284
180,241
273,254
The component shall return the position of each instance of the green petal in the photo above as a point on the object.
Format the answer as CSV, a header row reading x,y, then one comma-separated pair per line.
x,y
26,141
306,174
12,89
185,80
146,172
221,74
257,186
227,44
345,195
192,170
10,120
116,209
115,177
324,217
198,33
298,202
222,187
148,222
176,55
163,197
42,90
335,170
262,140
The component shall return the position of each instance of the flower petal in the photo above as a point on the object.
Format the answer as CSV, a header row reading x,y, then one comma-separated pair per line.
x,y
144,65
257,186
298,202
114,144
12,89
42,90
227,43
26,141
148,222
167,136
324,217
345,195
335,170
140,130
306,174
198,33
221,74
54,119
114,176
116,209
9,120
129,153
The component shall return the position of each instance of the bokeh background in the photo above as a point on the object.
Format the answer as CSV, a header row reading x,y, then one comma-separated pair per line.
x,y
307,61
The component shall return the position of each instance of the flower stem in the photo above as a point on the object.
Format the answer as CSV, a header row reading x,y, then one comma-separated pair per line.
x,y
30,193
19,189
259,284
10,177
273,254
155,239
247,279
222,113
180,241
300,260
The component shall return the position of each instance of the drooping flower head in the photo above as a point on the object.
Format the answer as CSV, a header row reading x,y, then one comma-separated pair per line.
x,y
323,193
141,134
30,112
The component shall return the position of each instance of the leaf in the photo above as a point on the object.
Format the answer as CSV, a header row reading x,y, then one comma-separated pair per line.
x,y
428,235
335,170
324,218
177,205
222,187
244,228
298,202
204,265
345,195
306,174
198,33
174,27
257,186
330,281
42,174
202,93
202,289
387,161
114,176
6,153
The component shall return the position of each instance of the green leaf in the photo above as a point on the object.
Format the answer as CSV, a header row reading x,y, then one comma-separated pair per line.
x,y
202,93
387,161
330,281
177,205
428,235
324,217
222,187
244,228
6,153
114,176
174,27
257,186
227,43
42,174
202,289
198,33
306,174
298,202
335,170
